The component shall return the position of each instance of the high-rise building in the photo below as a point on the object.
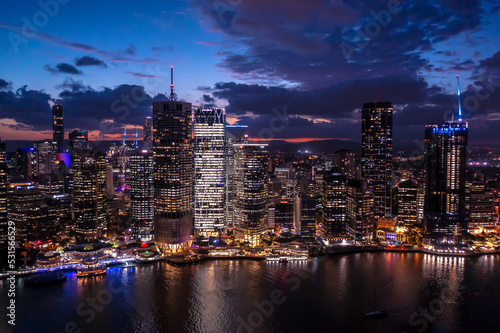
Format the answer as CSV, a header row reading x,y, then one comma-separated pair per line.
x,y
45,157
250,192
209,171
480,205
334,205
141,195
3,196
78,139
234,135
58,127
89,193
360,220
408,203
308,211
345,161
34,223
376,154
445,149
173,173
147,130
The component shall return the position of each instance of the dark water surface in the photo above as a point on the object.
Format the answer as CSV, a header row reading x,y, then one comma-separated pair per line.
x,y
421,293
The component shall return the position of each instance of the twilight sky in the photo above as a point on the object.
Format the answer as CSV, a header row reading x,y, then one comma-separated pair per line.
x,y
289,69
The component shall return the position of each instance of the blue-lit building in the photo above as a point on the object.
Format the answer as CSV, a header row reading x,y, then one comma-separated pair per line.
x,y
445,165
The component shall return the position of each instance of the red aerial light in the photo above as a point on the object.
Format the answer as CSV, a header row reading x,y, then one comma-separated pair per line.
x,y
144,245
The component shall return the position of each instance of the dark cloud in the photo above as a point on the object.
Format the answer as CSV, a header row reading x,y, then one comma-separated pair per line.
x,y
493,62
89,61
307,45
62,68
140,75
30,108
5,85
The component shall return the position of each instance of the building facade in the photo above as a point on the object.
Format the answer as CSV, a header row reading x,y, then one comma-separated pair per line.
x,y
445,149
89,194
209,171
141,195
58,127
377,154
250,192
173,174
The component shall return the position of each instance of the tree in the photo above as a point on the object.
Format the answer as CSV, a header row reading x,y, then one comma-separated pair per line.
x,y
415,236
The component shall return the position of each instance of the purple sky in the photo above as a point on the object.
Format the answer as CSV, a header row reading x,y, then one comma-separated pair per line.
x,y
288,71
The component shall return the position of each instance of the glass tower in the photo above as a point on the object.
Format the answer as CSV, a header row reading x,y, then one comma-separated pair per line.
x,y
376,154
209,171
141,195
173,174
250,192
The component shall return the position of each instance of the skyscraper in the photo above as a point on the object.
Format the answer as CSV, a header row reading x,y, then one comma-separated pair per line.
x,y
141,195
234,134
360,221
345,161
335,205
147,138
407,203
173,173
209,171
3,196
376,154
250,192
445,148
78,139
58,127
35,224
89,186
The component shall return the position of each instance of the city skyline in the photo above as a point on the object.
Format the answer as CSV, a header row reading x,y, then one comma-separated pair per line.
x,y
250,166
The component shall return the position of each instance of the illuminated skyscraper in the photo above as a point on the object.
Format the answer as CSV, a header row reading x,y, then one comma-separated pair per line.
x,y
58,127
209,171
141,195
250,192
234,134
345,161
173,173
360,221
445,149
335,205
3,196
376,154
408,203
146,133
89,186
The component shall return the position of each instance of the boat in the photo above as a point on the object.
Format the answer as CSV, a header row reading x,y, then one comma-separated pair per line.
x,y
376,314
146,259
184,260
88,272
283,260
45,278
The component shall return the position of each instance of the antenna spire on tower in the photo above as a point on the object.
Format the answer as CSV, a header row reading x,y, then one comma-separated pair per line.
x,y
136,139
173,96
124,135
459,106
